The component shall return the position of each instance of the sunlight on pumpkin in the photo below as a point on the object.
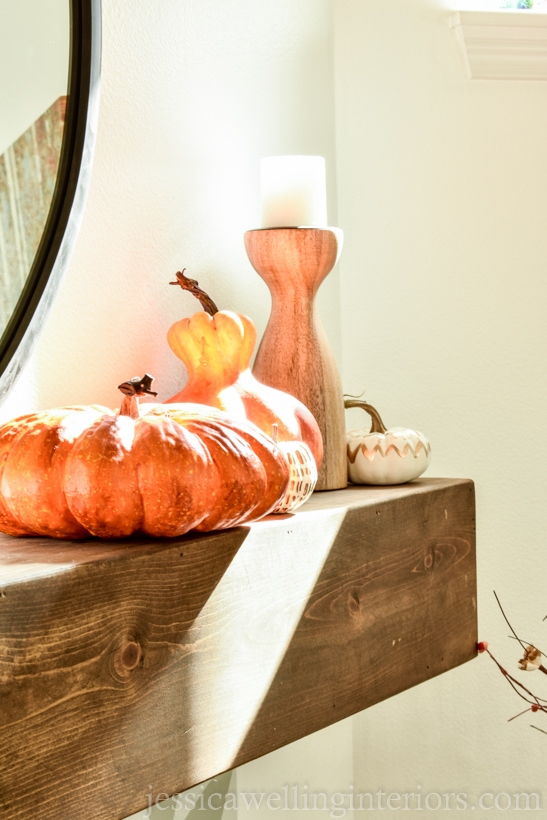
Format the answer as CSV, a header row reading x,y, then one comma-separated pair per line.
x,y
73,425
216,351
125,428
258,631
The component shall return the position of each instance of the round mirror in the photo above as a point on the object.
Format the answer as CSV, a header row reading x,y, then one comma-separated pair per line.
x,y
49,73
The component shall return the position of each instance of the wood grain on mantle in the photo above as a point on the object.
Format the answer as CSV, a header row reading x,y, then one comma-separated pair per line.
x,y
132,665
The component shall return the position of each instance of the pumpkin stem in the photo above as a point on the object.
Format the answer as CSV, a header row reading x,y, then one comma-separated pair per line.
x,y
131,390
378,425
192,285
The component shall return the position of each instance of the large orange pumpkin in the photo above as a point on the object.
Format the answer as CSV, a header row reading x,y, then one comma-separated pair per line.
x,y
216,347
81,470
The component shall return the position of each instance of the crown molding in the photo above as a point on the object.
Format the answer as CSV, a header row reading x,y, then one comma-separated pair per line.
x,y
502,45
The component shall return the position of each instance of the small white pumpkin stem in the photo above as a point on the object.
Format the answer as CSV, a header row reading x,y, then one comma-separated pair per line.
x,y
378,425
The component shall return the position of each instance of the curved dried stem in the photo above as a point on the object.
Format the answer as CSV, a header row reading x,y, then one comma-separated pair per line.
x,y
527,643
541,703
507,621
192,286
378,425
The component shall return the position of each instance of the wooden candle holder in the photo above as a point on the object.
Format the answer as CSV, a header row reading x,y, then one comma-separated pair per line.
x,y
294,354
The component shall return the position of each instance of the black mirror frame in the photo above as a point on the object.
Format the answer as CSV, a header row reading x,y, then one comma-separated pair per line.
x,y
68,202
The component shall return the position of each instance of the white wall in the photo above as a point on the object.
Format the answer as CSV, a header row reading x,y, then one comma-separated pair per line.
x,y
193,95
442,186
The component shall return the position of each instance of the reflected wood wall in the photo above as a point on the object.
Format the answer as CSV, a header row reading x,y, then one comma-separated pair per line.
x,y
28,173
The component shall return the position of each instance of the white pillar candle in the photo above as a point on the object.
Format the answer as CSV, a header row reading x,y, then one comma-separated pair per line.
x,y
293,192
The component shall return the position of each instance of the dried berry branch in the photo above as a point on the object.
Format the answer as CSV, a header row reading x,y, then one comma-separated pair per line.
x,y
519,687
530,661
507,620
525,644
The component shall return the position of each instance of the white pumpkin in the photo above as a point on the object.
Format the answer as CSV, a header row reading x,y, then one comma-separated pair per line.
x,y
382,456
302,476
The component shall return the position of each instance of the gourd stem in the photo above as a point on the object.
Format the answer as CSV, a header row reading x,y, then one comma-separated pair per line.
x,y
192,286
131,390
378,425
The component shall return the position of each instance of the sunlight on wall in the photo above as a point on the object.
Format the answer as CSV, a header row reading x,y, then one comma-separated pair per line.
x,y
22,398
191,99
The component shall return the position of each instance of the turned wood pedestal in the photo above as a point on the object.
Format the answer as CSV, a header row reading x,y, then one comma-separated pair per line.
x,y
294,354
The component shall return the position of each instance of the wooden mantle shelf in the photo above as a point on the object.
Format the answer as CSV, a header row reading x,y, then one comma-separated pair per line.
x,y
126,665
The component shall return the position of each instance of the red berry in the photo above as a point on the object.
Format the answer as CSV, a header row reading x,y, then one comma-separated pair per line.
x,y
482,646
535,707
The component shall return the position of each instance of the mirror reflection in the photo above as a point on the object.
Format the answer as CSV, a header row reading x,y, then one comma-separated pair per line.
x,y
34,65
